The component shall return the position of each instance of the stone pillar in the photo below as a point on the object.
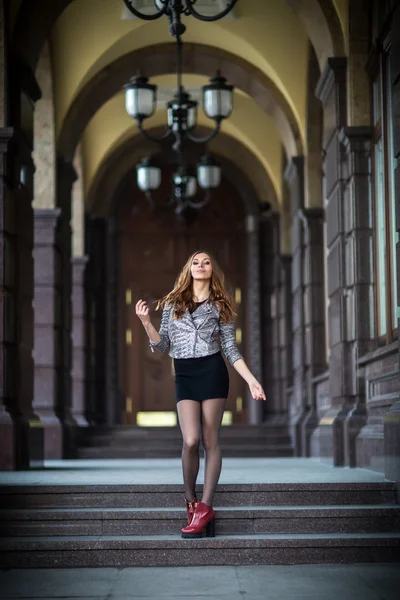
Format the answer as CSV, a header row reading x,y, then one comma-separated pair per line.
x,y
283,265
96,315
18,423
358,282
78,340
276,319
314,315
331,90
392,418
294,176
65,178
255,408
269,239
48,338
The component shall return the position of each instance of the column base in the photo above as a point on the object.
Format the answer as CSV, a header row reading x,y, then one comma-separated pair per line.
x,y
308,426
370,447
357,419
331,434
315,443
45,439
296,430
14,442
392,442
70,436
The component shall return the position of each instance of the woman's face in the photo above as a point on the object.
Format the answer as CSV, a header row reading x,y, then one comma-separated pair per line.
x,y
201,268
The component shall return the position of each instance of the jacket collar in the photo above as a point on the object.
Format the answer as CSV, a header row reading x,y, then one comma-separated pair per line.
x,y
200,317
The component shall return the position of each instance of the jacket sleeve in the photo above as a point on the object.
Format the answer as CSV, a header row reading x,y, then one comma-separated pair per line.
x,y
164,342
228,341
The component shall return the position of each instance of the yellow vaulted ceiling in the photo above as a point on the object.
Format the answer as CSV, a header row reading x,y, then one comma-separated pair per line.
x,y
111,125
342,8
90,34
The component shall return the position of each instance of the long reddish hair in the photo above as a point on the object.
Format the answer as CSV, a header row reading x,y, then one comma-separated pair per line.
x,y
181,297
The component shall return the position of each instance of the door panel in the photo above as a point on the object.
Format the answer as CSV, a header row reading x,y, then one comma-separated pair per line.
x,y
153,247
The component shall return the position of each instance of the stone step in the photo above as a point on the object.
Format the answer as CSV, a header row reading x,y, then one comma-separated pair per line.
x,y
229,520
171,550
121,441
160,451
167,496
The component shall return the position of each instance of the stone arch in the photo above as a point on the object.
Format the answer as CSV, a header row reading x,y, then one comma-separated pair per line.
x,y
123,158
161,59
322,24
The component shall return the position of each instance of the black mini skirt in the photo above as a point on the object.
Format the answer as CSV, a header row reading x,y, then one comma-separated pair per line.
x,y
201,378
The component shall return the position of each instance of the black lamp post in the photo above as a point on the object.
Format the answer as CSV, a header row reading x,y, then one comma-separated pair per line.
x,y
217,101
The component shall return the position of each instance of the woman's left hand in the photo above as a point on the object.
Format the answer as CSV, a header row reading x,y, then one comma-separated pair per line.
x,y
256,390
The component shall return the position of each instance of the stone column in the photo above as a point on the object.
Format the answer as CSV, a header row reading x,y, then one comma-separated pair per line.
x,y
285,319
271,377
18,423
255,408
96,315
78,339
294,176
314,315
276,318
65,178
331,90
48,328
358,279
392,418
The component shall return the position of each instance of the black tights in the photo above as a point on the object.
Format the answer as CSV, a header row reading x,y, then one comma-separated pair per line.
x,y
204,418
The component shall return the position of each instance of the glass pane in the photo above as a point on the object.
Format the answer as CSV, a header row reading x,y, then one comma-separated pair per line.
x,y
381,238
392,198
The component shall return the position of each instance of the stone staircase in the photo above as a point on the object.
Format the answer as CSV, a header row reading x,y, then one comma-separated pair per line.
x,y
166,442
139,525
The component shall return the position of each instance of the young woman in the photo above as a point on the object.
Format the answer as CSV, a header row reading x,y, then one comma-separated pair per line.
x,y
197,321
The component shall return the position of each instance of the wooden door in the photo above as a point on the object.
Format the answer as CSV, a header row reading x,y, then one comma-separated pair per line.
x,y
153,247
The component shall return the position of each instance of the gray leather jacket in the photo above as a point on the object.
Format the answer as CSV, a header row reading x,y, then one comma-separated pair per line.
x,y
198,334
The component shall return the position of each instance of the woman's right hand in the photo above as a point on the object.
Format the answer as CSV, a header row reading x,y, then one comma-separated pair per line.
x,y
142,311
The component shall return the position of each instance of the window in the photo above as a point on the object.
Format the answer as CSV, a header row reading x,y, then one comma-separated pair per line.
x,y
386,236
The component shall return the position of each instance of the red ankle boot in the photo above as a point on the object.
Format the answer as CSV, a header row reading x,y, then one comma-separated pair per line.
x,y
202,524
190,509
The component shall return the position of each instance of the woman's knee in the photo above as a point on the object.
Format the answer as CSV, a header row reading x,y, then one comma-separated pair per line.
x,y
191,443
210,442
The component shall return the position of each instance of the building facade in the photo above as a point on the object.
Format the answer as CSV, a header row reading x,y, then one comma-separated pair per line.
x,y
306,221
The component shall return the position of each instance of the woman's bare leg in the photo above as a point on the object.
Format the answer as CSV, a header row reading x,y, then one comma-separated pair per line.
x,y
212,412
189,414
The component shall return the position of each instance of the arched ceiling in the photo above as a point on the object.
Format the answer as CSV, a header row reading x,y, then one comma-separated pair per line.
x,y
342,8
266,33
265,51
161,59
111,125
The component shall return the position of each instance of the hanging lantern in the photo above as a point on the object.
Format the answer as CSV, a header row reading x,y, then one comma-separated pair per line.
x,y
148,175
208,173
218,98
140,98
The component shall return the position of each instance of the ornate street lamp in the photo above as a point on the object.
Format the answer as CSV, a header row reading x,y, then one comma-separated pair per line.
x,y
217,101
